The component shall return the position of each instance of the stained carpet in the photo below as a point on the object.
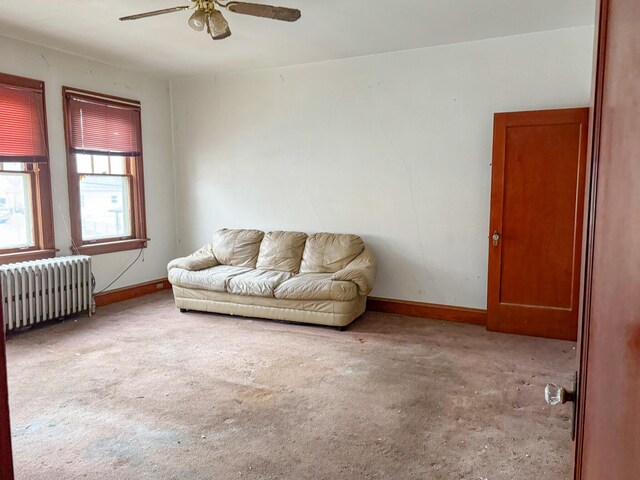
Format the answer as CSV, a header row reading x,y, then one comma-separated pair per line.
x,y
141,391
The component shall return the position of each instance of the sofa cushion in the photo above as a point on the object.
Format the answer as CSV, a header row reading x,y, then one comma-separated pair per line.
x,y
214,279
238,248
199,260
316,286
281,251
361,271
329,252
260,283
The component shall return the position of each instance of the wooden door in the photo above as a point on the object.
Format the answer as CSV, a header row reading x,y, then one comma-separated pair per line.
x,y
6,463
537,210
608,425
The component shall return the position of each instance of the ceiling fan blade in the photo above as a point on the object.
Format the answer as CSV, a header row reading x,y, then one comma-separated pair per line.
x,y
264,11
156,12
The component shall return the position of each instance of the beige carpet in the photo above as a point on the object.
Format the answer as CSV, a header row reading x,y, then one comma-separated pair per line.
x,y
141,391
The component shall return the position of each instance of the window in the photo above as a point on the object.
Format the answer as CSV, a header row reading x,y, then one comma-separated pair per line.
x,y
105,195
26,217
104,164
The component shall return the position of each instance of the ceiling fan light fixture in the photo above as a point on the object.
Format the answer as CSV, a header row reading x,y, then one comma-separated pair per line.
x,y
197,20
217,25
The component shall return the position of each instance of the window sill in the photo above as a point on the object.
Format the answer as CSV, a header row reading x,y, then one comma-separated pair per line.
x,y
110,247
6,258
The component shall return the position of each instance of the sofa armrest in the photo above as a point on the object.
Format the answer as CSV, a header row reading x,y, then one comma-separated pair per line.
x,y
199,260
361,271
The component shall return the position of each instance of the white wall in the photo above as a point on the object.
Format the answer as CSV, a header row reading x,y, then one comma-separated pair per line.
x,y
58,69
394,147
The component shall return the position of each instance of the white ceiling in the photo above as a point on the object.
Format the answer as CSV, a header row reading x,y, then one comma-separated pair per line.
x,y
328,29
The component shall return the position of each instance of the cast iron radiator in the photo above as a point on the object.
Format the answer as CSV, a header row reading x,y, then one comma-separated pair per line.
x,y
41,290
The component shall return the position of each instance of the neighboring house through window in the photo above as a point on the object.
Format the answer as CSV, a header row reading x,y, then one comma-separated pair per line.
x,y
104,165
26,217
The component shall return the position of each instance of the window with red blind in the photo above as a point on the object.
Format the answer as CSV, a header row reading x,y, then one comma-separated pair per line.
x,y
103,127
104,164
22,132
26,216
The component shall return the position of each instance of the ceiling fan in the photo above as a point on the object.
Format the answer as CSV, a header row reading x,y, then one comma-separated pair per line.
x,y
207,14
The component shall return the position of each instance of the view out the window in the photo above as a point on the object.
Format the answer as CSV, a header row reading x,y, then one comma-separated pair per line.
x,y
106,189
16,207
26,224
105,196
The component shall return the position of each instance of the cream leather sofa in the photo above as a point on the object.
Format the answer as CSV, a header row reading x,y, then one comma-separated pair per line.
x,y
323,278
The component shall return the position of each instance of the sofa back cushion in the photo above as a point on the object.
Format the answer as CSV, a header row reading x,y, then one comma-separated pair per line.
x,y
238,248
281,251
329,252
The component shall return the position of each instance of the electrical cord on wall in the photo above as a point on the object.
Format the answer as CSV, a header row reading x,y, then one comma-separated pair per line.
x,y
93,279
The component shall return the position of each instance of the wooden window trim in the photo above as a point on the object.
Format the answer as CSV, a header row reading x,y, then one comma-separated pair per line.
x,y
138,238
24,82
27,256
111,246
41,194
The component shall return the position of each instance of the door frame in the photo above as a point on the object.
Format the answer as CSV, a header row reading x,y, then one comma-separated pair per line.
x,y
591,195
6,459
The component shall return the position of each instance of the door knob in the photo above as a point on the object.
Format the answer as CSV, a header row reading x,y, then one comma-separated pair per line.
x,y
555,395
496,238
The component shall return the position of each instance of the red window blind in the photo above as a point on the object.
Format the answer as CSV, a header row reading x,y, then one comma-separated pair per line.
x,y
22,124
101,126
